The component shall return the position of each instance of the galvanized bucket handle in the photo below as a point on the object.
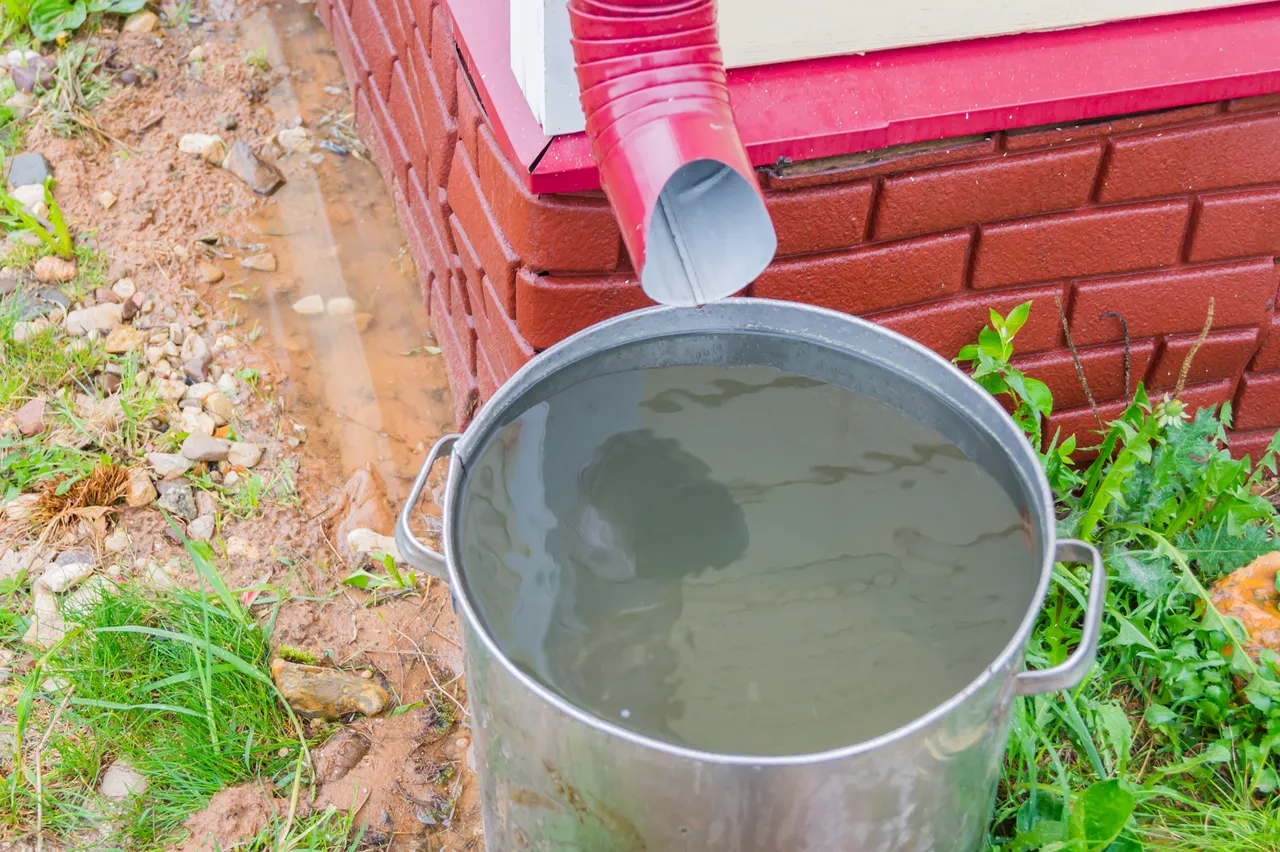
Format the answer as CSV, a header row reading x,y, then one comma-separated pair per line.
x,y
1071,672
415,552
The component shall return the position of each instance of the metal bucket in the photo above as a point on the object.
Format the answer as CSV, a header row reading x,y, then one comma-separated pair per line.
x,y
554,777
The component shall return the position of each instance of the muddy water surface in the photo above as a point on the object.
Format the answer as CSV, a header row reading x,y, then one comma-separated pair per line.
x,y
362,376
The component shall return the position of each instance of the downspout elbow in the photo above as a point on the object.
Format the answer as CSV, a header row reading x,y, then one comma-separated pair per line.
x,y
653,88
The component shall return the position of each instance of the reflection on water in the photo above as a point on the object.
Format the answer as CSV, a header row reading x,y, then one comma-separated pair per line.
x,y
739,560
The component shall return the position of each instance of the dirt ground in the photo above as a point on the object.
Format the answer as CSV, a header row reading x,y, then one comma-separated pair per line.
x,y
348,403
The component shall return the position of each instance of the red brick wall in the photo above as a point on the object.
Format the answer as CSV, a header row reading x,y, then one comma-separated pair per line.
x,y
1145,217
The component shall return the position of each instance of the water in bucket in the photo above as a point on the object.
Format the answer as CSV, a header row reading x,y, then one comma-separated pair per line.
x,y
739,560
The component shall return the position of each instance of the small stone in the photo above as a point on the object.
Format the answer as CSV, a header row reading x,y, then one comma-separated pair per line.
x,y
244,455
228,384
205,448
219,406
130,307
294,139
170,390
140,491
110,383
237,546
363,321
340,306
339,755
179,500
102,294
231,479
99,318
106,199
31,197
201,529
209,148
121,780
196,54
199,391
264,262
50,269
74,556
206,503
30,168
47,625
262,177
116,542
24,332
321,693
62,578
310,305
197,369
159,576
362,540
30,417
141,21
124,288
169,465
197,422
82,600
209,273
15,561
123,340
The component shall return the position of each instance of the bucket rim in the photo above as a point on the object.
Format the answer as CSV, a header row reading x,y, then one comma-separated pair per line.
x,y
747,315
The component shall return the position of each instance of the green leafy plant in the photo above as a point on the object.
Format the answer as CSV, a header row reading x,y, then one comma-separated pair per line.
x,y
53,233
51,19
394,580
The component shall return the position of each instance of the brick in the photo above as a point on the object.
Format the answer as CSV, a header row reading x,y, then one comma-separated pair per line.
x,y
1223,355
1173,301
472,269
1083,242
464,328
1252,444
556,233
1237,224
1103,369
550,308
397,28
1257,102
1082,423
820,219
874,278
420,14
417,242
1220,154
1268,357
324,11
439,260
1046,135
396,150
405,115
375,40
371,132
462,382
497,258
1009,187
1258,404
354,64
950,324
884,161
470,114
509,351
444,59
486,376
439,125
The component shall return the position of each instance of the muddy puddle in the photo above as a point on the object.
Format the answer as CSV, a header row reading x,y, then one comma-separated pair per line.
x,y
363,377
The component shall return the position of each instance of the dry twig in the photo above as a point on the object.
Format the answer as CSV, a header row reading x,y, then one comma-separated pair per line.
x,y
1186,362
1075,359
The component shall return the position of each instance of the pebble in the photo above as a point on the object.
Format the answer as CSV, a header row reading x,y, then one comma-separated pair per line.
x,y
237,546
50,269
340,306
205,503
106,199
364,540
100,318
171,390
179,500
262,177
310,305
124,288
219,406
141,21
140,491
30,168
205,448
63,578
78,603
244,455
323,693
30,417
169,465
264,262
197,422
199,391
209,273
209,148
47,626
31,197
26,331
121,780
122,340
228,385
201,529
363,321
117,542
15,561
294,139
231,480
197,369
130,307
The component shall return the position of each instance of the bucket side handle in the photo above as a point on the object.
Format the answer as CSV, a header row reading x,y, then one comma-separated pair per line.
x,y
415,552
1071,672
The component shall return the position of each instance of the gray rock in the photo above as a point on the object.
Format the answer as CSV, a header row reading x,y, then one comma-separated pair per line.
x,y
197,369
205,448
244,454
206,504
51,294
121,780
101,318
27,169
179,501
169,465
47,626
201,529
62,578
74,556
262,177
8,284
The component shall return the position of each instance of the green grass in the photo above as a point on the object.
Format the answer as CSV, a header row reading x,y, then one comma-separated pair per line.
x,y
329,830
1175,735
40,365
174,683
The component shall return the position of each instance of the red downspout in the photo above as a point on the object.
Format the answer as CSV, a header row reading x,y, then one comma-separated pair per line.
x,y
653,89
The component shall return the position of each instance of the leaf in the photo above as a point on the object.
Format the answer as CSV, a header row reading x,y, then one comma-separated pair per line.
x,y
51,18
1100,814
1040,397
116,7
1149,574
1117,732
990,343
405,708
1158,714
1130,633
1016,320
1215,753
363,580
